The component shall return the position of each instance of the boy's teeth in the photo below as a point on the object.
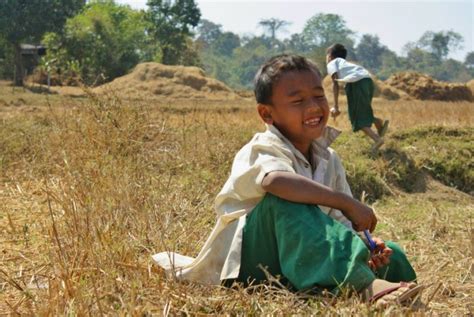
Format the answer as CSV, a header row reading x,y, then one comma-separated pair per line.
x,y
312,121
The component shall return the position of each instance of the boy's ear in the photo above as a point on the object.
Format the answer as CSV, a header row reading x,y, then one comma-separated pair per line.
x,y
265,112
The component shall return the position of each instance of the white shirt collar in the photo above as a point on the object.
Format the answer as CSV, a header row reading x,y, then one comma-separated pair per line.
x,y
319,146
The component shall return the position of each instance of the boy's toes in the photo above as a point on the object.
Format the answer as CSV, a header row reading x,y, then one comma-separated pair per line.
x,y
405,294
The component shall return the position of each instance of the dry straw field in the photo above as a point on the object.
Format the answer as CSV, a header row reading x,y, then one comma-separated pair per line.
x,y
91,187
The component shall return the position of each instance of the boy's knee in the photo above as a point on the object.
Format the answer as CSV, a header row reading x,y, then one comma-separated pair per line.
x,y
276,206
282,205
398,253
400,267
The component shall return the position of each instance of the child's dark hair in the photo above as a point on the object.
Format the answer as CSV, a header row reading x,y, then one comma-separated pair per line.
x,y
270,72
337,50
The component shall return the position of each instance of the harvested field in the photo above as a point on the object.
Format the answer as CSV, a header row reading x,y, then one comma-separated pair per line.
x,y
92,187
423,87
154,80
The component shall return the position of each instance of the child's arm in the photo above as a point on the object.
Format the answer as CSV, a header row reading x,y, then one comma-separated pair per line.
x,y
335,90
297,188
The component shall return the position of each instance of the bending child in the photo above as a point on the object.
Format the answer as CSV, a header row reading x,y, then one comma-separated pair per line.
x,y
287,209
359,89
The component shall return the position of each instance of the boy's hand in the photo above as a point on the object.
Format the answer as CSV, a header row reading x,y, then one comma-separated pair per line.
x,y
361,216
335,112
380,256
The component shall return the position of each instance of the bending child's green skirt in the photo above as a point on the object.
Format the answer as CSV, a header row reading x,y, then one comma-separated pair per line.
x,y
359,103
308,249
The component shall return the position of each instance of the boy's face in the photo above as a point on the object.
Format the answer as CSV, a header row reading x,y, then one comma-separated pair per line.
x,y
328,58
300,109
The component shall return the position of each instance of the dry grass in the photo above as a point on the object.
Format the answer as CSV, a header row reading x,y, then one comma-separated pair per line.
x,y
91,188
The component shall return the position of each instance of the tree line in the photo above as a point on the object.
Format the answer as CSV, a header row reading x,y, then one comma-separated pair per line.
x,y
97,41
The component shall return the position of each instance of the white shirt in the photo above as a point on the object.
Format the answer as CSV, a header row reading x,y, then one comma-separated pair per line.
x,y
219,259
346,71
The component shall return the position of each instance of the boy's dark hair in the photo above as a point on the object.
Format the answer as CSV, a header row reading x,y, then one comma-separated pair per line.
x,y
337,50
272,70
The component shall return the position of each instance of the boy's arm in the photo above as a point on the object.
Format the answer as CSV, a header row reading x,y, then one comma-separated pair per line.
x,y
335,90
297,188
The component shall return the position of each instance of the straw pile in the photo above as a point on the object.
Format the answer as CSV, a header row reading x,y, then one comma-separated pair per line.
x,y
175,82
385,91
470,85
423,87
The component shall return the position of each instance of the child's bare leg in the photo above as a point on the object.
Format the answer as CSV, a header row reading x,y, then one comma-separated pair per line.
x,y
378,123
381,125
378,141
369,132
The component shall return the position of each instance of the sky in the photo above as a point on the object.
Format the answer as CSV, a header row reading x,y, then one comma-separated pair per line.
x,y
395,22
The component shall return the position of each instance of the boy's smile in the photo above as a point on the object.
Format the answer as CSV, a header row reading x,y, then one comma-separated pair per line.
x,y
299,108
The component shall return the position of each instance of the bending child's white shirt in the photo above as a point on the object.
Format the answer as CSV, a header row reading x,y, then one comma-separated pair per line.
x,y
219,258
346,71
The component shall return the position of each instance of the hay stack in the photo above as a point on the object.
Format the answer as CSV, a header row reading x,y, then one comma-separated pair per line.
x,y
423,87
470,85
385,91
177,82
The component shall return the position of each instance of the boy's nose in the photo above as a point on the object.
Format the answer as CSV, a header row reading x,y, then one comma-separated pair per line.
x,y
314,103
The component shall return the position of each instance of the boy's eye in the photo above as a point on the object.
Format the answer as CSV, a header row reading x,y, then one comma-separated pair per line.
x,y
297,101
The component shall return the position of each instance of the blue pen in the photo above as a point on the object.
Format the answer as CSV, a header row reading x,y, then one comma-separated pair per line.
x,y
372,244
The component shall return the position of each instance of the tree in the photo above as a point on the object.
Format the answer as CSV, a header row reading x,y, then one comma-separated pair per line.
x,y
391,63
171,23
211,37
421,60
248,58
452,70
441,43
369,52
6,59
208,32
272,26
27,21
469,60
226,43
296,43
104,41
323,30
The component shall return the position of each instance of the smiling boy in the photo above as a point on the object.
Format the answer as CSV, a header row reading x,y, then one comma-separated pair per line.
x,y
287,209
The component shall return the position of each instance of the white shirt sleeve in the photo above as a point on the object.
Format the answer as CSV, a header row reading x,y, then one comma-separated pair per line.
x,y
250,174
244,186
333,67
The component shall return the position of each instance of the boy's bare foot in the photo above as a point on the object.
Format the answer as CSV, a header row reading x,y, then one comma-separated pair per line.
x,y
383,293
377,145
383,129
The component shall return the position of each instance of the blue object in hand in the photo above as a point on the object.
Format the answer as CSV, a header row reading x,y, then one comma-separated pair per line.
x,y
372,244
